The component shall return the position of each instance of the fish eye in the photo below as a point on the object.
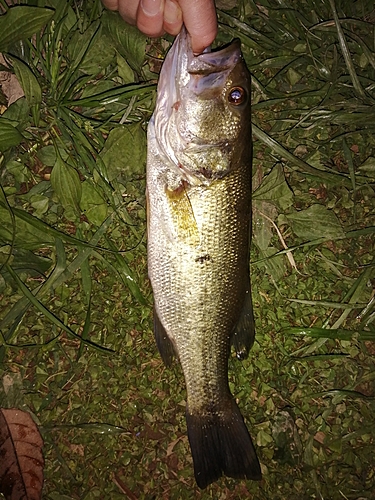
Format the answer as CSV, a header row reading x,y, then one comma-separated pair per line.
x,y
237,96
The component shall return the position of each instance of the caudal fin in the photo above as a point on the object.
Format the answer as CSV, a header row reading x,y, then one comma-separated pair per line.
x,y
221,444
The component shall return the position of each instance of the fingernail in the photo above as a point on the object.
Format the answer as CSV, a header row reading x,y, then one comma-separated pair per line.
x,y
151,7
172,12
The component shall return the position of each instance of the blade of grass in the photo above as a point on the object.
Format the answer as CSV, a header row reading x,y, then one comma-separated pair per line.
x,y
346,53
46,228
119,94
333,305
59,275
127,274
87,289
350,234
330,333
5,204
300,164
47,313
349,160
15,315
356,292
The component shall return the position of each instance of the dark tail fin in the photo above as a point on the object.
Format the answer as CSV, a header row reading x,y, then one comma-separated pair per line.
x,y
221,444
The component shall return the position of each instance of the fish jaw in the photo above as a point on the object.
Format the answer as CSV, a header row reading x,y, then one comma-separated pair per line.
x,y
192,91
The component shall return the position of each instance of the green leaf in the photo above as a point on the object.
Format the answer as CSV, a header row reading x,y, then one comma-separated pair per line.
x,y
368,166
124,70
275,266
18,170
27,262
93,204
9,135
40,203
47,155
293,76
263,438
26,235
67,185
28,81
93,49
126,273
124,151
36,227
20,22
48,314
315,222
129,41
301,165
19,114
263,230
275,189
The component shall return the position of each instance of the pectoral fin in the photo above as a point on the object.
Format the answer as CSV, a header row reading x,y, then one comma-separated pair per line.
x,y
182,215
165,345
244,334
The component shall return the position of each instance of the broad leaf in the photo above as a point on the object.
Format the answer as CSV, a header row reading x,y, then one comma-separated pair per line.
x,y
129,41
23,235
24,261
28,81
18,113
263,215
315,222
67,185
94,50
9,135
275,266
368,166
274,189
22,462
47,155
93,204
20,22
124,152
124,70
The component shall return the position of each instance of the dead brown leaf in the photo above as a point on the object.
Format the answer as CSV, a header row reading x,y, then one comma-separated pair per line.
x,y
10,86
22,462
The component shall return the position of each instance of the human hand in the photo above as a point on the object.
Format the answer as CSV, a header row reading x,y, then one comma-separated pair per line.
x,y
154,17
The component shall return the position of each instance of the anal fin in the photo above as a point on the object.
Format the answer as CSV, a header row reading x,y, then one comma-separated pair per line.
x,y
243,335
163,342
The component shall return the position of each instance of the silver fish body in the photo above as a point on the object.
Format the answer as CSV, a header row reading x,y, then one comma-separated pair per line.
x,y
199,206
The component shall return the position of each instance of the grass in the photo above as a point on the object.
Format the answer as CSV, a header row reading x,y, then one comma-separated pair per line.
x,y
77,349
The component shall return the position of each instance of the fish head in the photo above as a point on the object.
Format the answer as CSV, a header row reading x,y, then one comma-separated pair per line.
x,y
202,115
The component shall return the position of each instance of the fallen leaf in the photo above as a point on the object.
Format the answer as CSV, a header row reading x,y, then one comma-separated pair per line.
x,y
10,84
320,437
22,462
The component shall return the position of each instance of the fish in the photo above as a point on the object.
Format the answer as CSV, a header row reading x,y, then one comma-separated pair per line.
x,y
198,189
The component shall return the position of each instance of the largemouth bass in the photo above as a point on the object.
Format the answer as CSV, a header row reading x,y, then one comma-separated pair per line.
x,y
199,206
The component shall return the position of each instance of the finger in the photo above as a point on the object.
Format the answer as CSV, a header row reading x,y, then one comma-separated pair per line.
x,y
110,4
128,10
200,20
172,17
150,17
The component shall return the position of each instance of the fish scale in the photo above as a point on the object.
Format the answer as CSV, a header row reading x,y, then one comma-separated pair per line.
x,y
199,206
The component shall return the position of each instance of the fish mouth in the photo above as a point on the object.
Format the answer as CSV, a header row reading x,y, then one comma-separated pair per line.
x,y
180,66
184,74
185,64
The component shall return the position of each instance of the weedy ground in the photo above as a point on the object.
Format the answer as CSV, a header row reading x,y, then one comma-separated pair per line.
x,y
77,348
